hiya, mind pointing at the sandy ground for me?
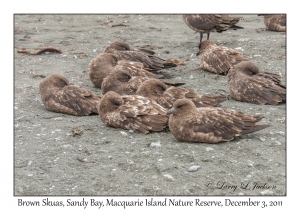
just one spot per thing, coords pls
(49, 160)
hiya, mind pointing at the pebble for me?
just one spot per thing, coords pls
(262, 139)
(241, 193)
(131, 131)
(155, 144)
(29, 163)
(191, 77)
(154, 177)
(123, 133)
(193, 168)
(169, 177)
(178, 79)
(209, 149)
(280, 132)
(266, 192)
(67, 146)
(109, 157)
(239, 48)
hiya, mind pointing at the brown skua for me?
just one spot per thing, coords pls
(166, 95)
(122, 51)
(210, 124)
(207, 23)
(132, 112)
(275, 22)
(59, 95)
(247, 83)
(218, 59)
(103, 64)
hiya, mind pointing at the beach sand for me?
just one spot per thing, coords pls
(49, 160)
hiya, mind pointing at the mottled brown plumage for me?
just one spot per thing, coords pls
(210, 124)
(247, 83)
(207, 23)
(132, 112)
(123, 83)
(58, 95)
(104, 63)
(122, 51)
(218, 59)
(166, 95)
(275, 22)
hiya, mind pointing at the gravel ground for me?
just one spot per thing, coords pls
(50, 160)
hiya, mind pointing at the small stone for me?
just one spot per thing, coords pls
(123, 133)
(241, 193)
(193, 168)
(262, 139)
(266, 192)
(155, 144)
(191, 77)
(209, 149)
(278, 142)
(109, 157)
(67, 146)
(178, 79)
(131, 131)
(169, 177)
(88, 152)
(29, 163)
(30, 174)
(280, 132)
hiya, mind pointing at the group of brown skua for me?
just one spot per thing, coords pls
(135, 98)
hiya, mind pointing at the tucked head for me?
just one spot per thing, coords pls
(107, 58)
(247, 67)
(117, 45)
(54, 80)
(120, 75)
(109, 102)
(152, 87)
(205, 44)
(181, 106)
